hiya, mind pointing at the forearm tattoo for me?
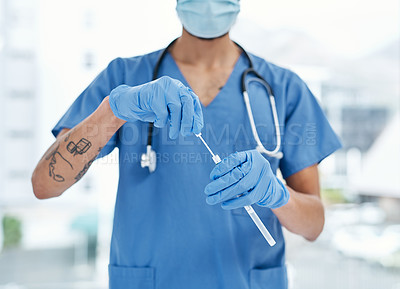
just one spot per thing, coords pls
(79, 148)
(63, 165)
(59, 165)
(67, 135)
(86, 167)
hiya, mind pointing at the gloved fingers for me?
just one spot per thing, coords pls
(227, 180)
(241, 187)
(228, 164)
(198, 113)
(175, 115)
(239, 202)
(187, 112)
(252, 189)
(191, 116)
(145, 116)
(157, 102)
(161, 112)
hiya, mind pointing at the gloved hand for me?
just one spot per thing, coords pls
(245, 178)
(160, 101)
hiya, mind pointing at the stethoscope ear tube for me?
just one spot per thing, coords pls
(148, 158)
(275, 153)
(260, 148)
(155, 76)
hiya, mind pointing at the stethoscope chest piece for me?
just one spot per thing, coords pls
(149, 159)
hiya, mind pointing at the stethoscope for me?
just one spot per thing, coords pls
(149, 158)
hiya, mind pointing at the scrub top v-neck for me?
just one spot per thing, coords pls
(179, 75)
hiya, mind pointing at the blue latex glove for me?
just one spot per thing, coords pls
(160, 101)
(245, 178)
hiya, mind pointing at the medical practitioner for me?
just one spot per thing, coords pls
(182, 224)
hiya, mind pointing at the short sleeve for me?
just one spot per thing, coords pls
(308, 137)
(90, 99)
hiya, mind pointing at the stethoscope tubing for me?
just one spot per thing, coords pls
(250, 70)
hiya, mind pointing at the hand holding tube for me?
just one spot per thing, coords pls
(243, 179)
(162, 101)
(249, 209)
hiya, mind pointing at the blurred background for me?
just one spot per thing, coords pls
(346, 50)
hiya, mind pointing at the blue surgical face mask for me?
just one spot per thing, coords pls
(208, 18)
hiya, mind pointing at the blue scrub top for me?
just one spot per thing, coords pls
(164, 234)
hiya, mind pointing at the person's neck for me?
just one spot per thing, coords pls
(218, 52)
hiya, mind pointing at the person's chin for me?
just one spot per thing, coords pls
(209, 39)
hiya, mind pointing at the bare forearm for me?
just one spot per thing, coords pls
(71, 155)
(303, 214)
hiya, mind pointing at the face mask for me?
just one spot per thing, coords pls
(208, 18)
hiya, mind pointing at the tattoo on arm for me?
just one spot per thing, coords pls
(86, 167)
(68, 134)
(63, 164)
(80, 148)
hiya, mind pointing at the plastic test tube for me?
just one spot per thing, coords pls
(249, 209)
